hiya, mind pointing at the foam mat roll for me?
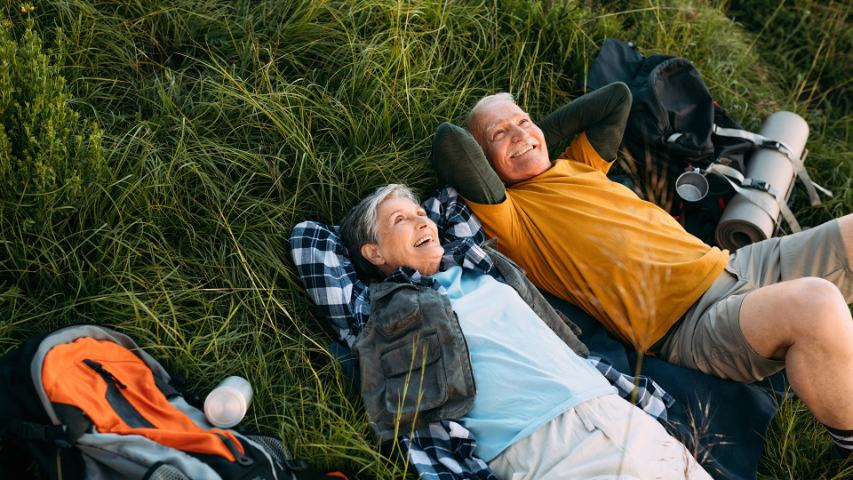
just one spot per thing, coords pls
(743, 222)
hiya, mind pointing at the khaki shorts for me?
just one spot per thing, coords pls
(605, 438)
(709, 337)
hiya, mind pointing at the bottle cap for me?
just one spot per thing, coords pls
(225, 407)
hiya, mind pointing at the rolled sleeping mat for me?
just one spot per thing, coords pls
(743, 222)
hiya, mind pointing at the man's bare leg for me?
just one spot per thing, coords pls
(807, 323)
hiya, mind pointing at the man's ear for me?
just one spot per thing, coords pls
(370, 252)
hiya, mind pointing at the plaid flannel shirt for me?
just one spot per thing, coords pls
(441, 450)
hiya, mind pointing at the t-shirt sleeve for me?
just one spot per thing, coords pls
(499, 220)
(581, 151)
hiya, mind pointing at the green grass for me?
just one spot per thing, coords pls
(223, 123)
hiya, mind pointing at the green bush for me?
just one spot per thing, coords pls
(51, 159)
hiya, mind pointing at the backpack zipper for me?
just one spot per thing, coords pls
(241, 459)
(125, 410)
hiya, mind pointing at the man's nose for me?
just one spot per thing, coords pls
(517, 134)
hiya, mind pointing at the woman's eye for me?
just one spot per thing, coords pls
(498, 135)
(398, 219)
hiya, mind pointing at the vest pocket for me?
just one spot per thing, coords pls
(400, 314)
(414, 376)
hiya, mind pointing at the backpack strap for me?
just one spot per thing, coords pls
(31, 431)
(751, 190)
(74, 424)
(798, 163)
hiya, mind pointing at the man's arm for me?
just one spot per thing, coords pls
(461, 163)
(602, 113)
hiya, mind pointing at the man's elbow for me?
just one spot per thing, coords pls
(621, 94)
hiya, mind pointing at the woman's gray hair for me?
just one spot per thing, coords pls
(360, 225)
(468, 122)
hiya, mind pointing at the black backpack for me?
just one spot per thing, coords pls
(671, 129)
(49, 417)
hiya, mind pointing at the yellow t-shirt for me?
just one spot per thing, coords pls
(595, 243)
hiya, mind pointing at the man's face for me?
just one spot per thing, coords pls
(513, 144)
(406, 237)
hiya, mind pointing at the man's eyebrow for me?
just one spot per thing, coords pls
(493, 125)
(497, 123)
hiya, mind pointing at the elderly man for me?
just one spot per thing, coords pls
(540, 410)
(781, 303)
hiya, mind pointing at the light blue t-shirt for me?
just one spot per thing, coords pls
(525, 374)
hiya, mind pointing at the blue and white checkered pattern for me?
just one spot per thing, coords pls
(442, 450)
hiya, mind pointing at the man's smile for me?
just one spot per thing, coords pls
(523, 151)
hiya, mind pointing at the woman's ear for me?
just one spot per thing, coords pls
(370, 252)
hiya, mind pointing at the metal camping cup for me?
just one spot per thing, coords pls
(226, 405)
(691, 185)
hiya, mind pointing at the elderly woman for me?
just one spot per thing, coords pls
(540, 411)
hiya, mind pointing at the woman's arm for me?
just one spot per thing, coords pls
(454, 219)
(329, 278)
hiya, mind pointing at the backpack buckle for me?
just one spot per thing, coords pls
(757, 185)
(773, 144)
(296, 464)
(61, 440)
(778, 146)
(62, 443)
(55, 434)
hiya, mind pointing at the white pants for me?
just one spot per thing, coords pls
(602, 438)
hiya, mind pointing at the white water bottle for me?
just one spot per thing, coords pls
(226, 405)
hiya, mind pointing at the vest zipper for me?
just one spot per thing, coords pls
(467, 349)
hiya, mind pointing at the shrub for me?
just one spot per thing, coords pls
(51, 159)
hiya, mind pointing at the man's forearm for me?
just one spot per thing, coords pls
(602, 113)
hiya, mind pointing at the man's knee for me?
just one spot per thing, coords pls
(820, 295)
(820, 307)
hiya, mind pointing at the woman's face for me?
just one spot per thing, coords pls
(406, 238)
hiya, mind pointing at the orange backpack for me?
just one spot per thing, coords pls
(86, 402)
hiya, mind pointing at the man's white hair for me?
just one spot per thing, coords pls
(469, 122)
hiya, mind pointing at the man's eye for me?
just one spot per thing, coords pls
(398, 219)
(498, 135)
(524, 122)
